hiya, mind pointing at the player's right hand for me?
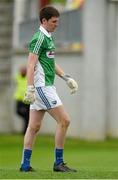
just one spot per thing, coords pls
(29, 97)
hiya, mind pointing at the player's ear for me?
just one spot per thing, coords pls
(44, 21)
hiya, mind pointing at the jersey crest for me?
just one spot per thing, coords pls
(50, 54)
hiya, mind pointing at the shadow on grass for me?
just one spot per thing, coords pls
(46, 174)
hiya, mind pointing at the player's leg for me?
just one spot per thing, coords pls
(63, 121)
(29, 139)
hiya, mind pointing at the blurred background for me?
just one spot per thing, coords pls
(86, 48)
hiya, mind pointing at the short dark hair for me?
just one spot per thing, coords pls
(47, 12)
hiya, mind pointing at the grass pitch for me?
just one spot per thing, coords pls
(93, 160)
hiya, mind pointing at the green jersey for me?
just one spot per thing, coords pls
(42, 44)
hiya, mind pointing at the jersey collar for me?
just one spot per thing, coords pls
(48, 34)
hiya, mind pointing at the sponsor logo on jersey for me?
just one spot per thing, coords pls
(50, 54)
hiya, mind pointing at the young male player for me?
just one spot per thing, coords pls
(41, 92)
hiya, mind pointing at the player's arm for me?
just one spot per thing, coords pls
(34, 51)
(59, 71)
(32, 60)
(72, 84)
(30, 93)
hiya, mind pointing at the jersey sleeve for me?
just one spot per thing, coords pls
(35, 45)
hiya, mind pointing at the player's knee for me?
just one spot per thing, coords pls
(35, 128)
(65, 122)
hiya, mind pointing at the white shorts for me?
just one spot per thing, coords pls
(46, 98)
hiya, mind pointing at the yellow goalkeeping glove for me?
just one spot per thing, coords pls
(29, 95)
(72, 84)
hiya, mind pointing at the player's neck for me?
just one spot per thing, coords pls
(45, 28)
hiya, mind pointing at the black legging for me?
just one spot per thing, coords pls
(22, 110)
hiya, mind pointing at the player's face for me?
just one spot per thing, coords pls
(51, 24)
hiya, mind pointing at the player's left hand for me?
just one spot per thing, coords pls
(72, 84)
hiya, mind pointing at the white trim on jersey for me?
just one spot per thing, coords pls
(38, 43)
(39, 75)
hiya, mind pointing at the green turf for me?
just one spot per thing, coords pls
(93, 160)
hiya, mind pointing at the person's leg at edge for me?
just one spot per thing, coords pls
(63, 121)
(26, 119)
(35, 120)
